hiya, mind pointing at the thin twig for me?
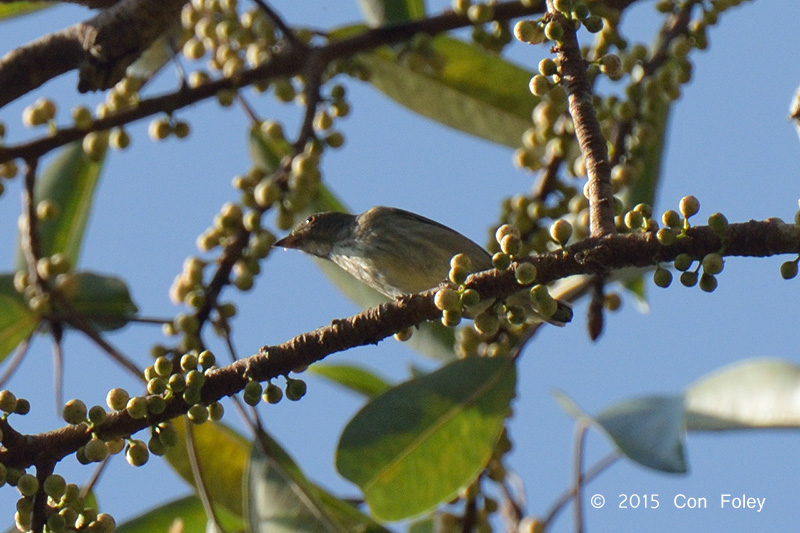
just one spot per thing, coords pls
(197, 474)
(580, 440)
(588, 476)
(16, 360)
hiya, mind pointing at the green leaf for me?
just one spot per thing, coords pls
(69, 182)
(649, 431)
(474, 91)
(390, 12)
(422, 441)
(280, 499)
(104, 300)
(751, 394)
(267, 153)
(17, 9)
(17, 321)
(189, 511)
(356, 378)
(223, 455)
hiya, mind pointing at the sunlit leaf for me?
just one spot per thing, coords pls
(357, 379)
(751, 394)
(104, 300)
(223, 454)
(69, 182)
(419, 443)
(472, 90)
(188, 512)
(389, 12)
(16, 9)
(17, 321)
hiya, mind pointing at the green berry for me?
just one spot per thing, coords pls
(195, 379)
(683, 262)
(501, 260)
(168, 434)
(789, 269)
(206, 359)
(97, 415)
(74, 412)
(252, 393)
(528, 31)
(662, 277)
(553, 31)
(27, 485)
(156, 385)
(461, 261)
(446, 299)
(137, 407)
(561, 231)
(525, 273)
(137, 453)
(511, 244)
(689, 206)
(163, 366)
(708, 282)
(273, 393)
(470, 298)
(548, 67)
(593, 23)
(155, 446)
(633, 220)
(666, 236)
(689, 279)
(672, 219)
(216, 411)
(295, 389)
(177, 383)
(458, 275)
(198, 413)
(55, 486)
(718, 224)
(539, 85)
(95, 450)
(506, 229)
(713, 264)
(156, 404)
(451, 318)
(516, 315)
(8, 402)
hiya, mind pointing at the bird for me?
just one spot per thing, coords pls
(394, 251)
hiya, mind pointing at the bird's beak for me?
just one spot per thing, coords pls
(290, 241)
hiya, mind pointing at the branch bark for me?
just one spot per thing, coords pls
(590, 256)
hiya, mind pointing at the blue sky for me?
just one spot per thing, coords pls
(729, 144)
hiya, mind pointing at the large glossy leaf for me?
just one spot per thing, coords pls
(356, 378)
(474, 91)
(751, 394)
(419, 443)
(223, 454)
(104, 300)
(188, 512)
(17, 321)
(280, 499)
(388, 12)
(69, 182)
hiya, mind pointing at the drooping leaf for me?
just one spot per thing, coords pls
(473, 91)
(266, 152)
(186, 511)
(356, 378)
(280, 499)
(648, 430)
(752, 394)
(104, 300)
(389, 12)
(416, 445)
(223, 457)
(17, 321)
(69, 182)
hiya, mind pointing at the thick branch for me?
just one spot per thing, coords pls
(590, 256)
(101, 47)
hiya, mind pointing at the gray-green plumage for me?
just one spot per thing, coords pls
(393, 251)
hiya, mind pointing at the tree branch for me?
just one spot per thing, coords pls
(590, 256)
